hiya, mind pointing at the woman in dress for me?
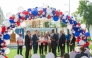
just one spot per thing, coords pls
(46, 42)
(72, 42)
(49, 41)
(41, 39)
(30, 45)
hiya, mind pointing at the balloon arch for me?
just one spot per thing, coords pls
(38, 12)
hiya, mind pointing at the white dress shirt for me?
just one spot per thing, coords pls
(20, 41)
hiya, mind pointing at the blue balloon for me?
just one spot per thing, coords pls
(71, 21)
(12, 26)
(77, 34)
(35, 12)
(1, 41)
(44, 9)
(87, 34)
(19, 16)
(53, 12)
(29, 10)
(75, 23)
(11, 21)
(64, 21)
(27, 16)
(55, 18)
(3, 50)
(6, 36)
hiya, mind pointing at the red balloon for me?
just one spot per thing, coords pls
(3, 29)
(23, 18)
(77, 40)
(26, 12)
(49, 17)
(18, 23)
(78, 24)
(57, 13)
(60, 13)
(12, 18)
(68, 17)
(40, 12)
(78, 37)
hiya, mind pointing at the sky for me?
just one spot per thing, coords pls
(13, 5)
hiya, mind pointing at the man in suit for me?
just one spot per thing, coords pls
(35, 39)
(54, 41)
(27, 43)
(62, 43)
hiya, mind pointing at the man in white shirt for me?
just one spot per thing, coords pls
(20, 44)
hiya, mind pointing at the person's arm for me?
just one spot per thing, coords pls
(17, 41)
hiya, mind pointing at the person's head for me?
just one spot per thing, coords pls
(36, 31)
(28, 32)
(52, 30)
(73, 34)
(61, 32)
(82, 49)
(41, 35)
(66, 55)
(20, 35)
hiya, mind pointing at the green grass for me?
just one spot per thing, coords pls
(13, 52)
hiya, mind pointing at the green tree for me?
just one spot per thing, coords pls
(46, 24)
(77, 17)
(85, 10)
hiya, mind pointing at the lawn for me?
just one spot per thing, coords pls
(13, 52)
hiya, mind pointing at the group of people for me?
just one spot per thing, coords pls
(48, 40)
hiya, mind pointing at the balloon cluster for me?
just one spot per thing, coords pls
(39, 12)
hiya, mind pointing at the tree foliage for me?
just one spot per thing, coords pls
(85, 10)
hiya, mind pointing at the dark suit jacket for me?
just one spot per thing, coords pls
(27, 40)
(62, 40)
(34, 39)
(80, 55)
(73, 40)
(54, 39)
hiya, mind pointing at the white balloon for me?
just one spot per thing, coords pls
(49, 11)
(18, 56)
(64, 17)
(7, 51)
(69, 26)
(16, 18)
(6, 23)
(7, 42)
(83, 26)
(35, 56)
(40, 8)
(81, 42)
(21, 14)
(1, 56)
(77, 49)
(66, 13)
(8, 14)
(20, 9)
(50, 55)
